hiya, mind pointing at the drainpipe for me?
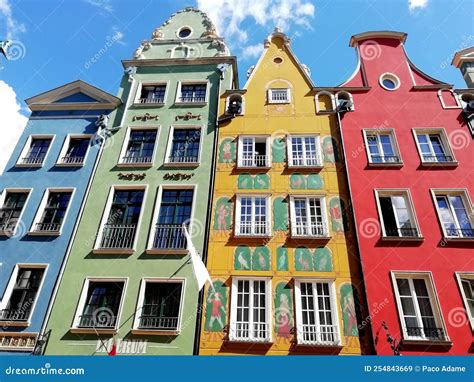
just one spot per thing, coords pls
(346, 173)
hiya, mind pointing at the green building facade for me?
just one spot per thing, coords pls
(127, 278)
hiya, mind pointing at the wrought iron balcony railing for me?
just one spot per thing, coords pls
(308, 160)
(72, 160)
(118, 236)
(105, 321)
(33, 160)
(182, 159)
(309, 229)
(152, 100)
(401, 232)
(192, 99)
(15, 314)
(47, 227)
(460, 232)
(426, 333)
(437, 158)
(256, 228)
(134, 159)
(169, 236)
(158, 323)
(318, 334)
(385, 159)
(247, 332)
(254, 160)
(7, 224)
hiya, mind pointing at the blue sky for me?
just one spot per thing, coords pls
(55, 39)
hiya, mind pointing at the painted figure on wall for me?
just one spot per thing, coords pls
(261, 182)
(323, 260)
(330, 153)
(303, 259)
(242, 258)
(335, 210)
(244, 181)
(283, 310)
(261, 259)
(282, 259)
(314, 182)
(216, 307)
(297, 181)
(227, 151)
(223, 218)
(349, 314)
(280, 214)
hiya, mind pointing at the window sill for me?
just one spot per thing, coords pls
(302, 167)
(251, 341)
(135, 165)
(319, 344)
(279, 102)
(150, 104)
(466, 239)
(113, 251)
(11, 233)
(11, 323)
(181, 164)
(151, 332)
(254, 167)
(44, 233)
(427, 342)
(310, 237)
(190, 103)
(25, 165)
(69, 164)
(256, 236)
(156, 251)
(385, 164)
(92, 330)
(403, 238)
(440, 164)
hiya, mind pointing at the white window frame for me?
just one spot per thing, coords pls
(41, 207)
(126, 141)
(3, 196)
(273, 101)
(465, 276)
(299, 311)
(169, 146)
(388, 192)
(333, 102)
(392, 77)
(268, 308)
(319, 160)
(156, 213)
(27, 147)
(464, 194)
(65, 147)
(441, 99)
(11, 284)
(444, 141)
(237, 215)
(82, 301)
(141, 297)
(393, 140)
(106, 213)
(240, 150)
(227, 103)
(322, 200)
(138, 92)
(192, 82)
(433, 296)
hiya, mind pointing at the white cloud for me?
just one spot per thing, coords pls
(13, 27)
(103, 5)
(228, 16)
(252, 51)
(414, 4)
(13, 122)
(117, 36)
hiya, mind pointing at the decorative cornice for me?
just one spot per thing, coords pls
(178, 176)
(189, 115)
(145, 117)
(131, 176)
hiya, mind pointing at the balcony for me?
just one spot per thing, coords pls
(401, 233)
(192, 99)
(255, 228)
(47, 228)
(246, 332)
(72, 161)
(32, 161)
(153, 100)
(105, 321)
(324, 335)
(117, 237)
(153, 322)
(136, 160)
(309, 230)
(439, 158)
(436, 334)
(180, 160)
(309, 160)
(460, 233)
(15, 315)
(254, 160)
(169, 238)
(386, 159)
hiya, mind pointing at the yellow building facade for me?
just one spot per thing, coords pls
(282, 253)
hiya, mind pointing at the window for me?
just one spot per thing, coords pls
(100, 304)
(308, 217)
(235, 104)
(344, 101)
(184, 32)
(454, 213)
(152, 94)
(382, 147)
(304, 151)
(74, 151)
(397, 214)
(19, 305)
(53, 211)
(279, 95)
(418, 309)
(139, 147)
(159, 305)
(254, 151)
(251, 310)
(11, 210)
(316, 317)
(192, 93)
(466, 283)
(184, 147)
(433, 146)
(174, 210)
(35, 151)
(120, 227)
(252, 217)
(325, 102)
(389, 81)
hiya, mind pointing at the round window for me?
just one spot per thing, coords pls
(278, 60)
(184, 32)
(389, 81)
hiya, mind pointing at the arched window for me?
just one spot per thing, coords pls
(448, 99)
(235, 104)
(325, 102)
(344, 101)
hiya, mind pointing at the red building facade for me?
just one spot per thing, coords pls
(410, 162)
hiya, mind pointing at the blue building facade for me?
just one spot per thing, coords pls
(42, 190)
